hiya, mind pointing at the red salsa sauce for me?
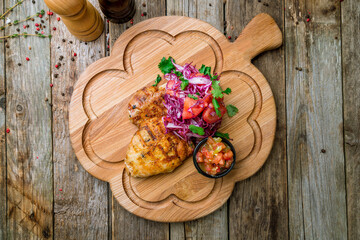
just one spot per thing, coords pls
(214, 156)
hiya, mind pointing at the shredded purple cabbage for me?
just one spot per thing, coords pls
(174, 103)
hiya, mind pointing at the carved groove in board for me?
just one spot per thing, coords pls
(254, 114)
(171, 199)
(168, 38)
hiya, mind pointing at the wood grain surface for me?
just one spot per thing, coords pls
(350, 35)
(265, 213)
(316, 176)
(29, 149)
(2, 135)
(245, 219)
(79, 198)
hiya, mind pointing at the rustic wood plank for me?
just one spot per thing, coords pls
(316, 180)
(81, 209)
(258, 205)
(350, 31)
(2, 133)
(215, 225)
(29, 158)
(124, 224)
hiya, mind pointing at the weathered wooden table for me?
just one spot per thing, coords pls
(309, 187)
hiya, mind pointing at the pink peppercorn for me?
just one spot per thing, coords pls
(56, 65)
(37, 29)
(54, 28)
(42, 32)
(36, 24)
(51, 85)
(75, 54)
(24, 26)
(40, 16)
(27, 59)
(7, 130)
(308, 20)
(58, 18)
(229, 37)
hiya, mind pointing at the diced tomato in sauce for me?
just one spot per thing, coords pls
(214, 156)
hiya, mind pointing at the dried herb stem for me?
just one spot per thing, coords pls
(26, 35)
(7, 11)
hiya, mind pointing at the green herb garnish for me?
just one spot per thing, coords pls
(158, 79)
(227, 91)
(193, 97)
(231, 110)
(197, 130)
(217, 91)
(224, 135)
(166, 65)
(216, 106)
(184, 83)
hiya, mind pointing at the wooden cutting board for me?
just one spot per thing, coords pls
(100, 129)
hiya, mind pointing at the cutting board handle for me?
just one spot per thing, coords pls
(261, 34)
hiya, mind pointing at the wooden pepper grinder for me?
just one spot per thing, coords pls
(118, 11)
(80, 17)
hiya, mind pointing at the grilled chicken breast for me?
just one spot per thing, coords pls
(147, 103)
(152, 151)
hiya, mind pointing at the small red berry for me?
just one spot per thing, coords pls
(142, 14)
(42, 32)
(36, 24)
(51, 85)
(24, 26)
(308, 20)
(51, 13)
(54, 28)
(56, 65)
(27, 59)
(48, 12)
(37, 29)
(7, 130)
(40, 16)
(229, 37)
(75, 54)
(60, 189)
(58, 18)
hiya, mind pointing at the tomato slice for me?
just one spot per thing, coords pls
(170, 84)
(210, 115)
(189, 103)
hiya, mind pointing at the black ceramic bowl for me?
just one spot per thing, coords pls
(221, 174)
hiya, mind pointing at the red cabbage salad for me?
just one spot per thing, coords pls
(194, 100)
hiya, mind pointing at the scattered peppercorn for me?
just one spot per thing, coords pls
(86, 43)
(58, 18)
(42, 21)
(18, 29)
(40, 16)
(72, 59)
(144, 4)
(107, 20)
(48, 12)
(19, 64)
(60, 189)
(7, 46)
(229, 37)
(51, 85)
(42, 32)
(61, 57)
(266, 4)
(62, 94)
(63, 40)
(36, 24)
(308, 19)
(71, 42)
(300, 69)
(36, 32)
(37, 29)
(29, 48)
(46, 99)
(33, 2)
(56, 75)
(27, 59)
(142, 14)
(44, 26)
(56, 65)
(210, 4)
(24, 26)
(7, 130)
(323, 150)
(145, 13)
(27, 25)
(75, 54)
(54, 28)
